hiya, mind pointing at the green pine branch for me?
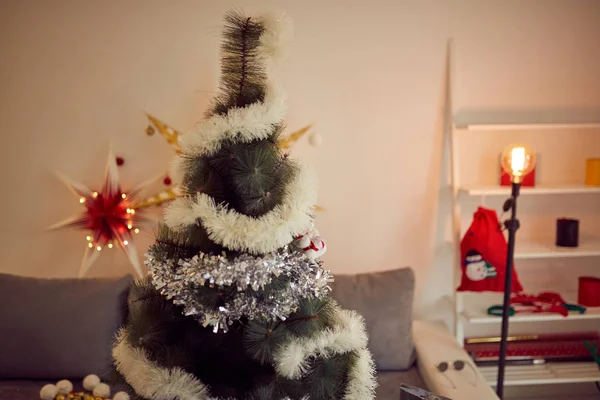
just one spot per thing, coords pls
(312, 316)
(327, 378)
(262, 338)
(243, 78)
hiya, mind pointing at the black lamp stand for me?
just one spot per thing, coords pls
(511, 225)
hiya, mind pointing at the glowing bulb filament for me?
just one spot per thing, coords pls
(517, 161)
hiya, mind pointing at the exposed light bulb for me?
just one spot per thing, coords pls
(518, 161)
(132, 211)
(88, 238)
(82, 200)
(128, 211)
(90, 245)
(123, 196)
(98, 248)
(95, 194)
(129, 226)
(125, 242)
(110, 245)
(136, 230)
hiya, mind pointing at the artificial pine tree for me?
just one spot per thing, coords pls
(236, 305)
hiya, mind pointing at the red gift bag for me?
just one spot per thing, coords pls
(483, 255)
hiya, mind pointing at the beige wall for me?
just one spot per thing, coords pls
(77, 75)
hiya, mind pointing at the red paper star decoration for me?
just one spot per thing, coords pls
(110, 217)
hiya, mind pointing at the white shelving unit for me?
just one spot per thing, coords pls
(499, 123)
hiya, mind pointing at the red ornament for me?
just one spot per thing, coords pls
(167, 181)
(120, 161)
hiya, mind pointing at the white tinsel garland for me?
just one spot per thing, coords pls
(347, 335)
(245, 124)
(151, 381)
(240, 232)
(154, 382)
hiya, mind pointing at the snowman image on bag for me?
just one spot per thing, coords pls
(476, 268)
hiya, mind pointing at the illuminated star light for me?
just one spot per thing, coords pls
(109, 215)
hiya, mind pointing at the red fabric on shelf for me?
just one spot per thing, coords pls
(544, 302)
(483, 252)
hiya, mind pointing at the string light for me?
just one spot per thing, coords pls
(82, 200)
(95, 194)
(129, 226)
(128, 211)
(123, 196)
(110, 245)
(136, 230)
(98, 248)
(88, 238)
(125, 242)
(90, 245)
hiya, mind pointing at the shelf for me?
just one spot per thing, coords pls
(541, 374)
(503, 120)
(480, 316)
(529, 249)
(527, 126)
(497, 190)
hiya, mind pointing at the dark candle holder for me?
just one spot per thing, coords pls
(567, 232)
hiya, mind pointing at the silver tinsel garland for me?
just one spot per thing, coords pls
(179, 280)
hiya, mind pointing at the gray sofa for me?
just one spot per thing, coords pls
(52, 329)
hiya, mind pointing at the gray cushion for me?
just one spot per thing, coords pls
(59, 328)
(385, 300)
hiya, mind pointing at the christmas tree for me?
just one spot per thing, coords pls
(237, 303)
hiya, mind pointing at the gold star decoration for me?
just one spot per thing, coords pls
(171, 135)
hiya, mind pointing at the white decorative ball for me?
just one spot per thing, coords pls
(101, 390)
(48, 392)
(121, 396)
(90, 382)
(315, 139)
(64, 387)
(303, 242)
